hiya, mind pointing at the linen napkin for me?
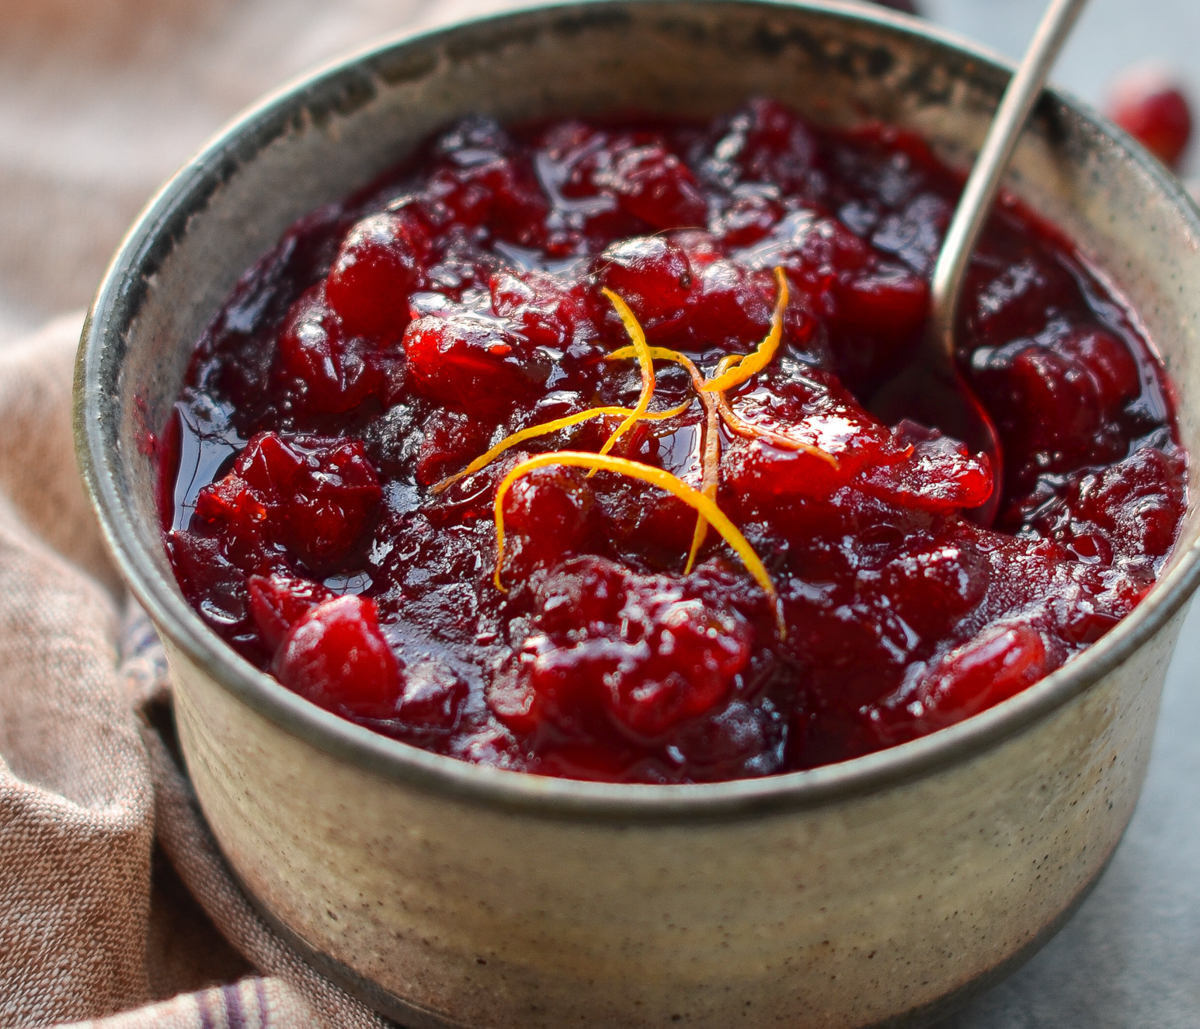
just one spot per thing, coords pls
(102, 845)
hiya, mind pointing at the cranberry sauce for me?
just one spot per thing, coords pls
(387, 343)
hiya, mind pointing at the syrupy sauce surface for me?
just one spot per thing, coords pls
(388, 341)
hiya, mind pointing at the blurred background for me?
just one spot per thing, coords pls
(100, 101)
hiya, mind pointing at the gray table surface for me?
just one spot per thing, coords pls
(1131, 956)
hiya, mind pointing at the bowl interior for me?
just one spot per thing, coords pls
(841, 64)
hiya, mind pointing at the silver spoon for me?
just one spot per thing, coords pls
(930, 389)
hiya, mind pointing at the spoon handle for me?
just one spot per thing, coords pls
(1022, 93)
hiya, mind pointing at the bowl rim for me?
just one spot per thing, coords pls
(118, 302)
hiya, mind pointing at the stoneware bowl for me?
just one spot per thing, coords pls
(884, 890)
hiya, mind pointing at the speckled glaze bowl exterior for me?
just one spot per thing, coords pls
(880, 891)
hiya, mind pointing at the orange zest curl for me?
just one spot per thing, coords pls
(710, 461)
(661, 354)
(642, 351)
(545, 429)
(656, 477)
(748, 430)
(751, 364)
(710, 464)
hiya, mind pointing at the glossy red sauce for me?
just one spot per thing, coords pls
(386, 342)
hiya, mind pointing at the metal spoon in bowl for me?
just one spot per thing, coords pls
(930, 389)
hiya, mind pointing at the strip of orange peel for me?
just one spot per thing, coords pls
(664, 480)
(710, 465)
(710, 461)
(545, 428)
(748, 430)
(753, 363)
(638, 338)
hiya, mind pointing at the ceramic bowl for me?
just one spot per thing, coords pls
(883, 890)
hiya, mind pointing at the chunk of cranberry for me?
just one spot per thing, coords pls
(584, 593)
(472, 364)
(935, 585)
(214, 584)
(332, 372)
(939, 474)
(277, 602)
(1151, 107)
(378, 267)
(814, 411)
(315, 497)
(750, 217)
(996, 665)
(652, 275)
(449, 441)
(1058, 398)
(485, 182)
(887, 301)
(1133, 506)
(546, 309)
(730, 307)
(432, 698)
(1016, 291)
(653, 184)
(664, 658)
(768, 143)
(549, 510)
(336, 656)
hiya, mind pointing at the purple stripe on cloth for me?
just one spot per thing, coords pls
(232, 998)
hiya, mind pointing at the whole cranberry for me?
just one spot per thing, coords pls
(377, 268)
(314, 497)
(656, 186)
(549, 510)
(651, 274)
(278, 602)
(472, 364)
(331, 370)
(1148, 105)
(336, 656)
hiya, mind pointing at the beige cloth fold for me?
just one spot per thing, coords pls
(112, 894)
(93, 920)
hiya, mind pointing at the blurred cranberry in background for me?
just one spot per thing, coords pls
(1148, 104)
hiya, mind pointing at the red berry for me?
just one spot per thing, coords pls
(336, 656)
(547, 310)
(652, 275)
(997, 664)
(748, 219)
(1148, 105)
(450, 440)
(333, 372)
(730, 307)
(472, 364)
(433, 697)
(939, 474)
(770, 144)
(655, 185)
(277, 602)
(377, 268)
(548, 511)
(313, 497)
(642, 658)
